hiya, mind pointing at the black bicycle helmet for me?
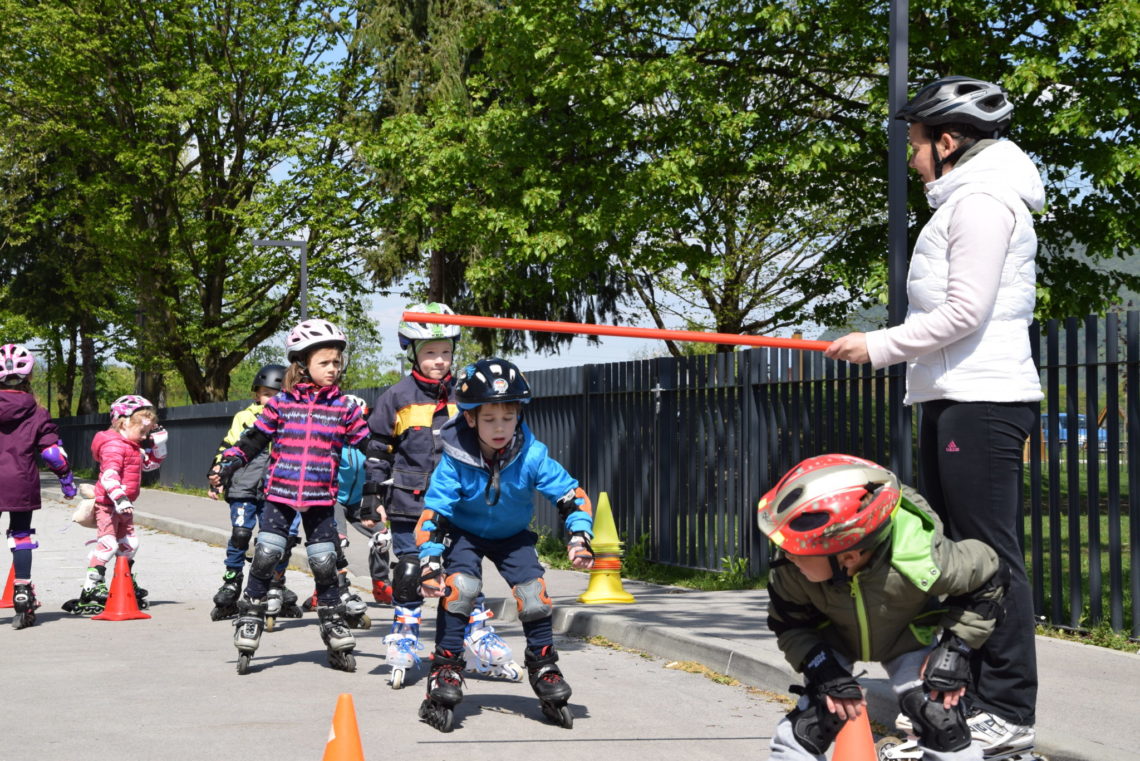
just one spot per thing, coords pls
(490, 381)
(270, 376)
(960, 100)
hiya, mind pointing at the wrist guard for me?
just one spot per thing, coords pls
(948, 665)
(827, 676)
(572, 502)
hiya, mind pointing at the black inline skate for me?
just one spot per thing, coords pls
(226, 598)
(281, 602)
(337, 637)
(444, 689)
(247, 630)
(355, 609)
(547, 682)
(93, 597)
(140, 593)
(25, 603)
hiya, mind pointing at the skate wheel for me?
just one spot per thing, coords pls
(343, 660)
(220, 614)
(897, 749)
(560, 715)
(511, 672)
(270, 623)
(365, 622)
(396, 679)
(436, 716)
(243, 663)
(23, 620)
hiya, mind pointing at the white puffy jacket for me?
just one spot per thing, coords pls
(973, 351)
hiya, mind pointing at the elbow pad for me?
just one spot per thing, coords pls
(986, 601)
(158, 439)
(56, 458)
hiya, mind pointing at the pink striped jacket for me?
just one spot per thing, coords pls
(308, 426)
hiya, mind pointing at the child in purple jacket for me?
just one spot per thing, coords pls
(26, 435)
(309, 422)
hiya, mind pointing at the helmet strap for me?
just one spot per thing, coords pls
(964, 145)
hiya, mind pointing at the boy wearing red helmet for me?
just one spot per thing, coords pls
(863, 572)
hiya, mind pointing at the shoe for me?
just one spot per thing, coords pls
(998, 736)
(382, 592)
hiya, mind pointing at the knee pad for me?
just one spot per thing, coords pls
(104, 549)
(240, 537)
(464, 591)
(322, 562)
(406, 579)
(534, 603)
(814, 727)
(22, 540)
(267, 553)
(128, 546)
(938, 728)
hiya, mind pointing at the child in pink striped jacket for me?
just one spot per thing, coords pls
(308, 422)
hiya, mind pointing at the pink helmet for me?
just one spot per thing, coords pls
(313, 334)
(125, 406)
(16, 364)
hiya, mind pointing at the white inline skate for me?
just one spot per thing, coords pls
(403, 644)
(487, 652)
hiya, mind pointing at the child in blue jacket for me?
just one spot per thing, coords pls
(479, 504)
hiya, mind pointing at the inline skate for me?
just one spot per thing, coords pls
(226, 598)
(487, 652)
(140, 593)
(355, 609)
(93, 597)
(280, 602)
(444, 689)
(25, 603)
(337, 637)
(547, 682)
(403, 642)
(247, 630)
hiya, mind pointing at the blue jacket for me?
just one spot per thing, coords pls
(459, 483)
(350, 476)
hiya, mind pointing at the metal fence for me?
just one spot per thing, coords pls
(685, 447)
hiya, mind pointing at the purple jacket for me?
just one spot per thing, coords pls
(26, 430)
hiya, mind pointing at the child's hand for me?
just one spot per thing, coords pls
(213, 493)
(67, 485)
(124, 506)
(379, 517)
(433, 583)
(579, 551)
(846, 709)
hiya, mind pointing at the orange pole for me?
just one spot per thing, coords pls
(585, 328)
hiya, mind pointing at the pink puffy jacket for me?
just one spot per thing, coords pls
(121, 465)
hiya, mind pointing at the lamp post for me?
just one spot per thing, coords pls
(304, 246)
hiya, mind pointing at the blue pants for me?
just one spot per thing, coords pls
(517, 562)
(244, 514)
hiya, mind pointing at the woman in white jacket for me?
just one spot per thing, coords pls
(971, 291)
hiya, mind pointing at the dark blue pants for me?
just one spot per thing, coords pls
(244, 514)
(516, 560)
(320, 526)
(971, 474)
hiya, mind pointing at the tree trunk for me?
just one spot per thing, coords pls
(88, 402)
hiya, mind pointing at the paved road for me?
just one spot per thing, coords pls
(166, 688)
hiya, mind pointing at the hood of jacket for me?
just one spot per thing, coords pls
(16, 406)
(1001, 163)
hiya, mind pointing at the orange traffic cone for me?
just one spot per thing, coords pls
(6, 600)
(121, 603)
(344, 737)
(855, 741)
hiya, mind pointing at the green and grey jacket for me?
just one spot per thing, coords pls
(915, 583)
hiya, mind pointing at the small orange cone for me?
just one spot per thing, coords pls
(855, 741)
(121, 603)
(6, 600)
(344, 737)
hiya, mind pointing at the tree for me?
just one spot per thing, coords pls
(727, 160)
(202, 125)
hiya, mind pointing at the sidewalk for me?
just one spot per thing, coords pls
(1087, 695)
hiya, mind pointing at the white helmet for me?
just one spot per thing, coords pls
(313, 334)
(16, 364)
(412, 334)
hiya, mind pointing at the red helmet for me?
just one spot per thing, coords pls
(829, 504)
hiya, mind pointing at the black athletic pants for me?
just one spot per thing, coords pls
(971, 459)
